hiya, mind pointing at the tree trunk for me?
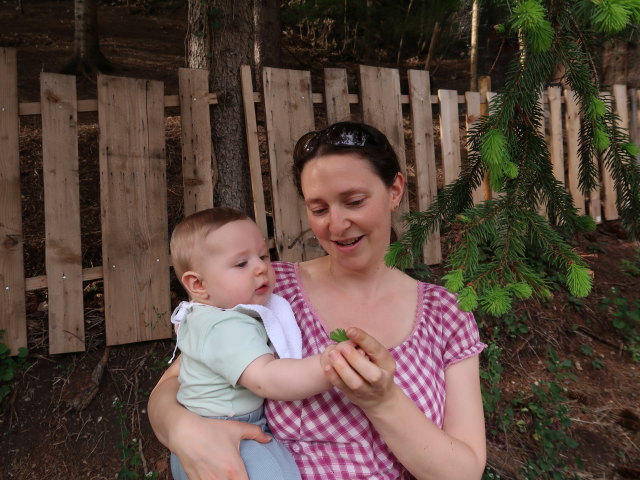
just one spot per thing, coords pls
(221, 37)
(473, 53)
(267, 50)
(87, 57)
(432, 45)
(197, 42)
(369, 44)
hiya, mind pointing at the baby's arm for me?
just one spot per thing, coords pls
(285, 378)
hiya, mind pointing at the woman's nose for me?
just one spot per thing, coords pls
(338, 221)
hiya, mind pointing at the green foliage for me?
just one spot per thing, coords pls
(548, 422)
(529, 17)
(595, 361)
(626, 320)
(631, 267)
(129, 448)
(339, 335)
(544, 416)
(9, 366)
(540, 417)
(491, 244)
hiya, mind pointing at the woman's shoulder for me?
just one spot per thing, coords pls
(284, 270)
(286, 277)
(439, 303)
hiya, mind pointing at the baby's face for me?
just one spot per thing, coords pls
(234, 264)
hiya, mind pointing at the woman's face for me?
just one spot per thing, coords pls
(349, 208)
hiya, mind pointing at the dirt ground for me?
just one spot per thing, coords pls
(48, 431)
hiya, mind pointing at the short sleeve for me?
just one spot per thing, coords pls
(460, 332)
(233, 344)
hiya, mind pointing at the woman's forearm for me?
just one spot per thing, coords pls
(207, 448)
(458, 450)
(163, 406)
(424, 449)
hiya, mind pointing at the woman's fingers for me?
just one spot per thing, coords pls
(356, 365)
(377, 352)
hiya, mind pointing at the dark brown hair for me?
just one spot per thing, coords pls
(347, 138)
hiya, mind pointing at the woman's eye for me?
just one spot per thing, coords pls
(318, 211)
(356, 203)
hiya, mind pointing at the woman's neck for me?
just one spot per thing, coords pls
(366, 280)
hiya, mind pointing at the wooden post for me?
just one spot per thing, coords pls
(484, 87)
(62, 212)
(12, 292)
(382, 108)
(425, 156)
(133, 197)
(199, 170)
(336, 95)
(253, 149)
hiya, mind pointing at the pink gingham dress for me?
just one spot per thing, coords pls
(329, 437)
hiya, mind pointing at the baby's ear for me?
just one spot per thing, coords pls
(193, 284)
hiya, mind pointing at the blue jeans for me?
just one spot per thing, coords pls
(263, 461)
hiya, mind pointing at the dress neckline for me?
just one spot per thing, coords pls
(418, 316)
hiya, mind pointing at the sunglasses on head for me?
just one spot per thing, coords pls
(344, 134)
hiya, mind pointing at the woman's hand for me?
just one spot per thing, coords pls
(362, 369)
(210, 448)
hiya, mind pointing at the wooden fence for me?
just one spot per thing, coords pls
(133, 185)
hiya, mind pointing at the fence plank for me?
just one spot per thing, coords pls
(609, 194)
(572, 126)
(425, 155)
(199, 169)
(134, 209)
(449, 134)
(62, 212)
(381, 107)
(556, 149)
(336, 95)
(253, 149)
(289, 114)
(12, 294)
(474, 111)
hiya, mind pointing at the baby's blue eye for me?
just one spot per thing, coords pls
(241, 264)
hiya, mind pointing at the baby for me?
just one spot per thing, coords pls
(228, 366)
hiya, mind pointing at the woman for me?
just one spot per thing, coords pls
(411, 405)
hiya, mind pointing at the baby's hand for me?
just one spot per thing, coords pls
(324, 357)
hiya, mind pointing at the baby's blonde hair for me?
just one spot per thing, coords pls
(195, 228)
